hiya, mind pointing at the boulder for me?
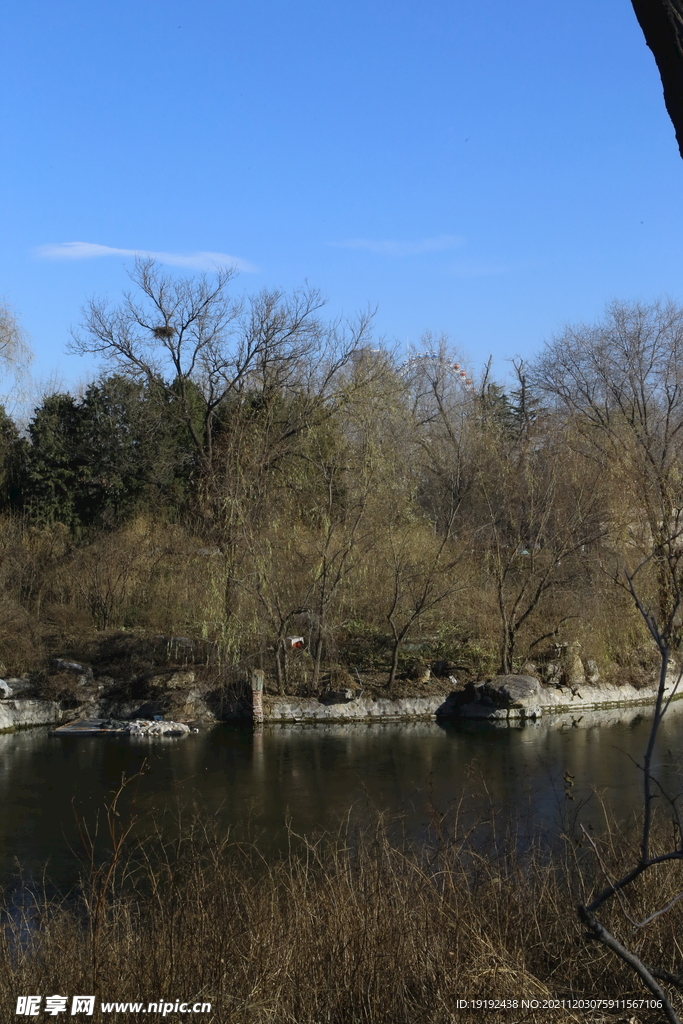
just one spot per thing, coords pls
(494, 714)
(572, 666)
(190, 705)
(172, 680)
(62, 665)
(19, 714)
(512, 691)
(20, 685)
(140, 727)
(5, 689)
(338, 696)
(574, 674)
(553, 673)
(592, 672)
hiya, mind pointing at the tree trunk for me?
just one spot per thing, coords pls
(662, 25)
(394, 663)
(278, 668)
(317, 663)
(509, 650)
(507, 645)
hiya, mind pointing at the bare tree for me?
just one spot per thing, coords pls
(621, 383)
(201, 347)
(621, 386)
(444, 436)
(15, 351)
(421, 575)
(666, 634)
(173, 334)
(537, 516)
(13, 341)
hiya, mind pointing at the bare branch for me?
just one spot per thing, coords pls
(599, 932)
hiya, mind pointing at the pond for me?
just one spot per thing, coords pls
(310, 777)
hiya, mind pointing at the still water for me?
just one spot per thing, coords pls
(312, 776)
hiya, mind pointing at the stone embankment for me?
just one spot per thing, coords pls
(577, 720)
(513, 699)
(22, 714)
(354, 709)
(524, 696)
(20, 708)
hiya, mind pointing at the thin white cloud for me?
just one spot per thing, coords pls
(194, 260)
(398, 248)
(483, 269)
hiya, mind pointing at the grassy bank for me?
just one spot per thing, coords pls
(345, 928)
(164, 595)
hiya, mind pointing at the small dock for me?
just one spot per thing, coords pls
(83, 727)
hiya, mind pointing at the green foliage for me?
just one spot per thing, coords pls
(51, 462)
(99, 460)
(10, 460)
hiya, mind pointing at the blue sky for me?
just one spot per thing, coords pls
(491, 171)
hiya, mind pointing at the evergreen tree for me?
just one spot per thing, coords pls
(97, 461)
(50, 468)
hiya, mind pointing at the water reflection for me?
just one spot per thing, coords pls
(312, 776)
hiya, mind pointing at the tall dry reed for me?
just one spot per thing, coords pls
(343, 928)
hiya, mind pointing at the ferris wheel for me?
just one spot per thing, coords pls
(435, 365)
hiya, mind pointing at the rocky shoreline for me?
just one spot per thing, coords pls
(24, 714)
(503, 698)
(514, 698)
(523, 696)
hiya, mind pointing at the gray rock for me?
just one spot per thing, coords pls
(338, 696)
(488, 711)
(494, 714)
(592, 672)
(21, 687)
(21, 714)
(573, 671)
(173, 680)
(135, 709)
(5, 689)
(61, 665)
(553, 673)
(513, 691)
(530, 711)
(196, 707)
(141, 727)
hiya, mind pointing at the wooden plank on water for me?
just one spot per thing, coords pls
(82, 727)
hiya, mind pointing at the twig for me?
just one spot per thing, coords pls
(599, 932)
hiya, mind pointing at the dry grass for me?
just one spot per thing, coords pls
(60, 593)
(344, 928)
